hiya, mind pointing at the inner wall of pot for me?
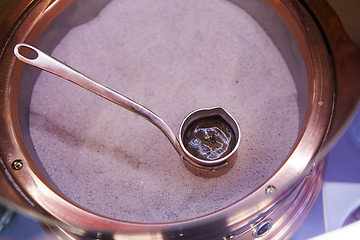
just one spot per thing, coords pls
(114, 163)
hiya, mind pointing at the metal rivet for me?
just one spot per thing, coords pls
(17, 164)
(270, 189)
(263, 228)
(228, 237)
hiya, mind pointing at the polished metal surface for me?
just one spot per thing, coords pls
(210, 168)
(200, 167)
(324, 63)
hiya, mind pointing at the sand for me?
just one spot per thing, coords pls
(173, 57)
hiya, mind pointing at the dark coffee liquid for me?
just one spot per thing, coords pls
(209, 138)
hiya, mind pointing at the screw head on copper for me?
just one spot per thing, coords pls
(17, 164)
(270, 189)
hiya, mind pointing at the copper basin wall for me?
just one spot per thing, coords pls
(323, 62)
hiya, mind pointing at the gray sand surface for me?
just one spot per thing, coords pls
(173, 57)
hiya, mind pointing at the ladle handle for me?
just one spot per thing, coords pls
(54, 66)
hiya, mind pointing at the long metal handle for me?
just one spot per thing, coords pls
(54, 66)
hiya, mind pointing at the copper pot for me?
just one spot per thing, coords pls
(324, 64)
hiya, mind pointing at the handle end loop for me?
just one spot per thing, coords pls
(28, 50)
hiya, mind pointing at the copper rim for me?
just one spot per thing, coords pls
(281, 201)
